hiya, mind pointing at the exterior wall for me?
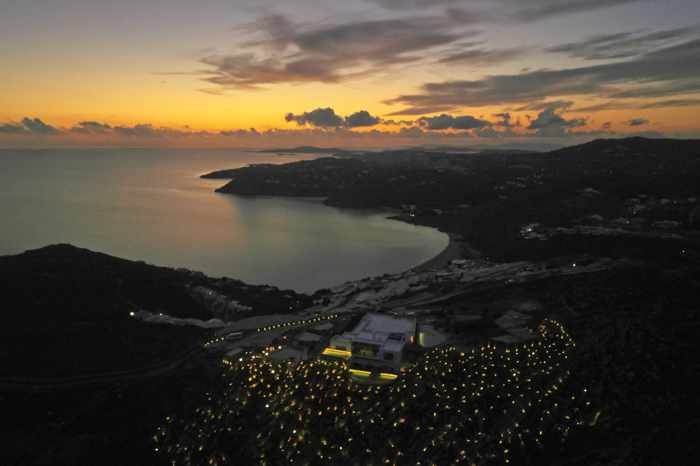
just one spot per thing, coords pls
(339, 342)
(379, 361)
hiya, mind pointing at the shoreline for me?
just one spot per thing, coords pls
(456, 249)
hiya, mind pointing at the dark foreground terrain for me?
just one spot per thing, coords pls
(82, 381)
(598, 244)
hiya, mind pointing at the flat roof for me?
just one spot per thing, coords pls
(391, 333)
(379, 323)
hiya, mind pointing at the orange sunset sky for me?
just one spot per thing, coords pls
(370, 73)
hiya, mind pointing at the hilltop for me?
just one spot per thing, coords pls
(489, 197)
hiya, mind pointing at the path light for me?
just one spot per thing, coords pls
(527, 384)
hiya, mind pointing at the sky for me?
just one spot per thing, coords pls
(356, 73)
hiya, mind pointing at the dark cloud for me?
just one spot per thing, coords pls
(679, 87)
(294, 53)
(412, 132)
(620, 45)
(490, 132)
(140, 130)
(91, 127)
(321, 118)
(427, 109)
(482, 57)
(671, 66)
(361, 118)
(506, 121)
(36, 126)
(541, 9)
(550, 123)
(411, 4)
(29, 126)
(398, 122)
(327, 118)
(147, 130)
(670, 104)
(247, 71)
(240, 132)
(12, 128)
(508, 10)
(551, 104)
(637, 122)
(625, 105)
(446, 121)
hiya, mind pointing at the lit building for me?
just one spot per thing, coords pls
(377, 343)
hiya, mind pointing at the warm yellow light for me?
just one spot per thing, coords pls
(337, 353)
(360, 372)
(387, 376)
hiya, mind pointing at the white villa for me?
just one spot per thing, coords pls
(376, 344)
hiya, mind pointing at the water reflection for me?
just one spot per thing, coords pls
(150, 205)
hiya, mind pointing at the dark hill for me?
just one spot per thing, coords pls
(67, 310)
(487, 197)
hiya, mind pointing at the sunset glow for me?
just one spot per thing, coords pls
(226, 74)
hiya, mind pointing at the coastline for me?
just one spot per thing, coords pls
(456, 249)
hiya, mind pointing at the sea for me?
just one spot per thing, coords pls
(151, 205)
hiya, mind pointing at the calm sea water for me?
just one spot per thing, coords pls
(151, 205)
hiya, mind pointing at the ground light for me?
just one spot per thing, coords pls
(492, 403)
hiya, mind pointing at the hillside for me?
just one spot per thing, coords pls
(83, 379)
(638, 185)
(67, 310)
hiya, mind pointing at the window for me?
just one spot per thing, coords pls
(388, 356)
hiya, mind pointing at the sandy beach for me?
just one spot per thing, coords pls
(457, 248)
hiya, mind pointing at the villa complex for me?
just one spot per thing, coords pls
(377, 343)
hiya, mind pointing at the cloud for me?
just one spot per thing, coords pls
(327, 118)
(139, 130)
(541, 9)
(620, 45)
(287, 52)
(240, 132)
(637, 122)
(446, 121)
(91, 127)
(420, 110)
(645, 92)
(36, 126)
(482, 57)
(671, 66)
(399, 122)
(411, 4)
(625, 105)
(12, 128)
(549, 123)
(29, 126)
(508, 10)
(506, 122)
(321, 117)
(361, 118)
(543, 105)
